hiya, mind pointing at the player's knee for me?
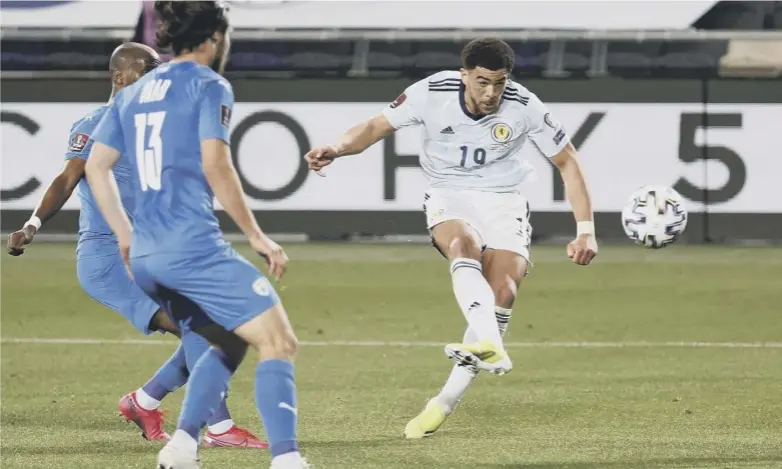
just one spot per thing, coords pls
(505, 290)
(464, 246)
(280, 347)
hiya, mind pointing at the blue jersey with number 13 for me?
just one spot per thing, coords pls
(159, 123)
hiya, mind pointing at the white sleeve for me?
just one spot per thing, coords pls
(544, 130)
(408, 108)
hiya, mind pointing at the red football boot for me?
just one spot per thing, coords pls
(236, 437)
(149, 421)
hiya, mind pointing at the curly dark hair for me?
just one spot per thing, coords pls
(186, 25)
(489, 53)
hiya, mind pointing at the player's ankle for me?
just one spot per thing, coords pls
(447, 403)
(220, 427)
(145, 401)
(287, 459)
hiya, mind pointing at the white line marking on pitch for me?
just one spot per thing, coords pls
(349, 343)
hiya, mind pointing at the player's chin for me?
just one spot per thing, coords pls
(489, 108)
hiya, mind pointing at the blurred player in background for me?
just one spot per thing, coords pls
(176, 121)
(475, 122)
(102, 273)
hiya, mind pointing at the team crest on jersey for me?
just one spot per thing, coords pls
(78, 143)
(398, 101)
(225, 115)
(262, 287)
(501, 133)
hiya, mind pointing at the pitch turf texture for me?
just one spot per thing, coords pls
(645, 359)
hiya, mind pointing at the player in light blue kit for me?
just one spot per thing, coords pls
(102, 273)
(174, 123)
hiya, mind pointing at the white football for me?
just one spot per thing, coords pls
(654, 216)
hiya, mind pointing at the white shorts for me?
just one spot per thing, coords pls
(500, 219)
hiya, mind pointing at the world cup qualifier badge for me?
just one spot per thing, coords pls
(225, 115)
(78, 142)
(398, 101)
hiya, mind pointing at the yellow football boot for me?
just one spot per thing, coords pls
(427, 422)
(482, 355)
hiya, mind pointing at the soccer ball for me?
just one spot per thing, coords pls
(654, 216)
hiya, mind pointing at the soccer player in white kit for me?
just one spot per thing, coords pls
(474, 123)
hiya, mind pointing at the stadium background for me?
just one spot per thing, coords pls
(684, 94)
(645, 359)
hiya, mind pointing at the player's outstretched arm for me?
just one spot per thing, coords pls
(584, 248)
(223, 179)
(58, 192)
(356, 140)
(360, 137)
(104, 187)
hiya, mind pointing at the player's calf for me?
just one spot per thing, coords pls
(504, 270)
(505, 296)
(505, 289)
(271, 334)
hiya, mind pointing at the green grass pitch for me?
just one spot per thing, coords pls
(646, 359)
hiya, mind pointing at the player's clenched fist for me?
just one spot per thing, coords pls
(19, 239)
(582, 249)
(272, 252)
(320, 157)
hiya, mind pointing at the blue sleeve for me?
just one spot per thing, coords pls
(109, 130)
(80, 139)
(215, 112)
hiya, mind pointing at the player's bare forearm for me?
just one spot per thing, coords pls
(104, 187)
(58, 192)
(584, 248)
(224, 181)
(60, 189)
(575, 183)
(359, 138)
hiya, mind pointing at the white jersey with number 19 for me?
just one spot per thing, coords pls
(460, 150)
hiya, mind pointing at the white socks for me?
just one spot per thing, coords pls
(287, 461)
(183, 441)
(476, 299)
(221, 427)
(461, 377)
(145, 401)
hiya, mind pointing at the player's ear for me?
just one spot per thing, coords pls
(117, 78)
(464, 75)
